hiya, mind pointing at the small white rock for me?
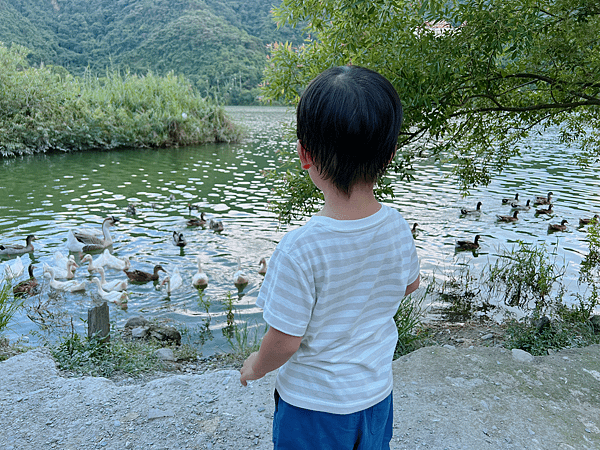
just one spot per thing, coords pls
(522, 355)
(139, 332)
(165, 354)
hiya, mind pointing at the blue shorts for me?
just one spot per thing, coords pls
(303, 429)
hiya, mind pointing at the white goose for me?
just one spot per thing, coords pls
(118, 298)
(111, 261)
(60, 273)
(240, 279)
(89, 241)
(173, 281)
(61, 261)
(73, 245)
(114, 285)
(199, 279)
(263, 266)
(14, 270)
(93, 264)
(67, 286)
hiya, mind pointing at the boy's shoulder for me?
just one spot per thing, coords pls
(321, 225)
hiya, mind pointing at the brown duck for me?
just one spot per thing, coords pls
(414, 230)
(468, 245)
(18, 249)
(558, 227)
(27, 287)
(141, 276)
(197, 222)
(545, 211)
(544, 200)
(506, 201)
(512, 218)
(516, 206)
(588, 221)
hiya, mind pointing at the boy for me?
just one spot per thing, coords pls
(334, 284)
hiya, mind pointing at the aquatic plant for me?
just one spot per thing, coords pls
(9, 304)
(589, 273)
(245, 340)
(229, 329)
(526, 276)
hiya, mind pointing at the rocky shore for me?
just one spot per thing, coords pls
(446, 397)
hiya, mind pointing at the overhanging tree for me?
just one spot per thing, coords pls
(476, 77)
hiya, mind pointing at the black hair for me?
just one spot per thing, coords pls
(348, 121)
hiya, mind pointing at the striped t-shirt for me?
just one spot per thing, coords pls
(338, 284)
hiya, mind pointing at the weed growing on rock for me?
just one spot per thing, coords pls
(541, 335)
(92, 356)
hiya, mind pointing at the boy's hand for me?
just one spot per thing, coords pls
(247, 373)
(275, 349)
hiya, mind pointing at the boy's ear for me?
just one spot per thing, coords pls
(303, 154)
(393, 154)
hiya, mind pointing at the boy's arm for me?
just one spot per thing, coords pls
(412, 286)
(276, 348)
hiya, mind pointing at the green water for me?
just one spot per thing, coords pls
(47, 195)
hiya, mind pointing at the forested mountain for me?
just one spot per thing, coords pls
(220, 45)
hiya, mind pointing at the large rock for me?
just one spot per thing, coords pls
(137, 321)
(140, 328)
(165, 333)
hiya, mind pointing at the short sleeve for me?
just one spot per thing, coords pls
(414, 265)
(286, 295)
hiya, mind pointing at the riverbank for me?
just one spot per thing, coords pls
(451, 397)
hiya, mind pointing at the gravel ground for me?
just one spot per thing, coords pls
(445, 397)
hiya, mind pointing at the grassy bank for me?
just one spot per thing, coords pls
(45, 109)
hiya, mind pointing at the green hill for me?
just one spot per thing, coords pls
(220, 45)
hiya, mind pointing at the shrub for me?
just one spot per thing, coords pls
(44, 109)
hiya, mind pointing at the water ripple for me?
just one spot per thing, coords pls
(47, 195)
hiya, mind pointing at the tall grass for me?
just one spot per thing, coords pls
(9, 304)
(408, 320)
(45, 108)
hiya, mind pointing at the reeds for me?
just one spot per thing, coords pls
(44, 109)
(9, 304)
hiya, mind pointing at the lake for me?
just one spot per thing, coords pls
(47, 195)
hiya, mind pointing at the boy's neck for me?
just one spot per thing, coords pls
(361, 203)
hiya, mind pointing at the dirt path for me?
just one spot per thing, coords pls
(445, 398)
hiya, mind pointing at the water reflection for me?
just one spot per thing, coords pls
(47, 195)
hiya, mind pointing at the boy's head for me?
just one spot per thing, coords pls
(348, 121)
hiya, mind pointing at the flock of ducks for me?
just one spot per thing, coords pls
(545, 208)
(61, 273)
